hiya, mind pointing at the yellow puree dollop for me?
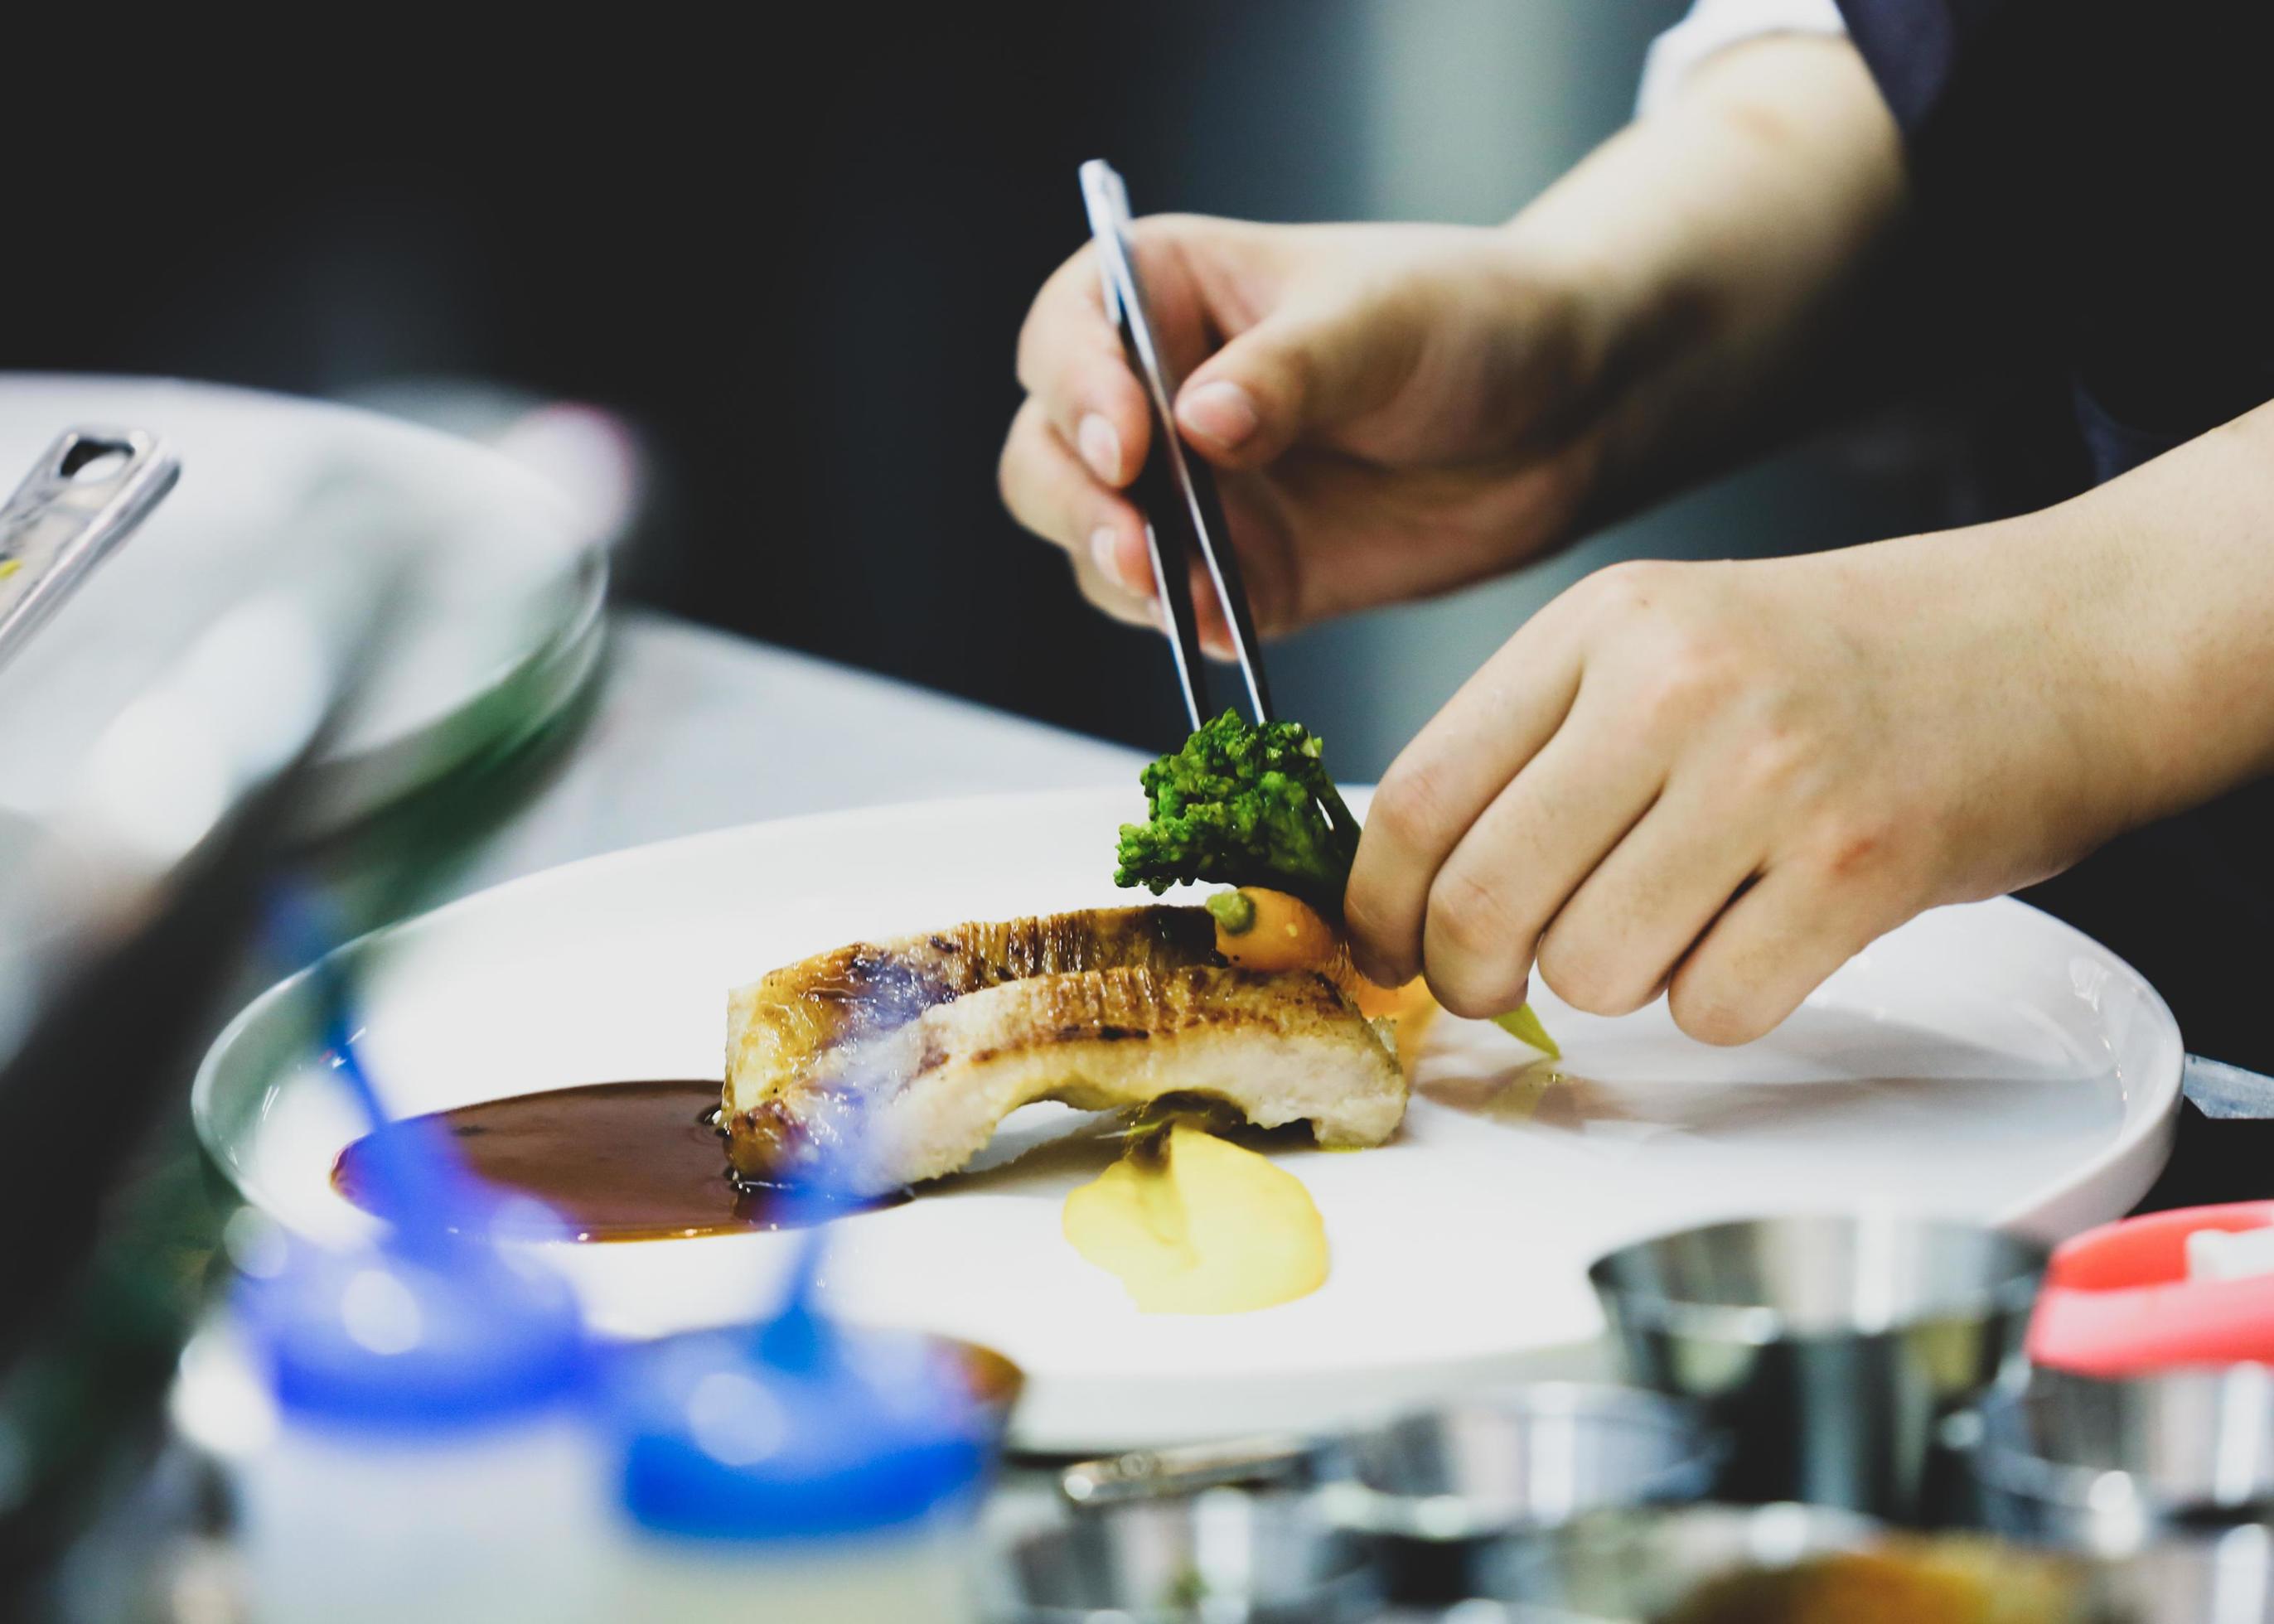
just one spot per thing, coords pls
(1194, 1224)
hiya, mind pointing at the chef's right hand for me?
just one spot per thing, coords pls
(1396, 410)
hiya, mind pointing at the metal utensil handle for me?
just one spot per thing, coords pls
(85, 496)
(2227, 1093)
(1148, 1473)
(1184, 515)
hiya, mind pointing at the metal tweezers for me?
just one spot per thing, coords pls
(1175, 491)
(85, 494)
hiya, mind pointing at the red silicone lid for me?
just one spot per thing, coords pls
(2117, 1300)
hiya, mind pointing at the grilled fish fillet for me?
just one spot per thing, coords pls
(893, 1063)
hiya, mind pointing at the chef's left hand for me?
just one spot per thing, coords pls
(1721, 780)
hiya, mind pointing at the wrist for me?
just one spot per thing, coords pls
(2029, 620)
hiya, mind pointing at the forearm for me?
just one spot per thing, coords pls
(2163, 581)
(1719, 248)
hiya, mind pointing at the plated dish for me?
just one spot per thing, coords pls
(1983, 1062)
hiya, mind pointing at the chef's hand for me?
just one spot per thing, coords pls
(1721, 780)
(1400, 409)
(1392, 406)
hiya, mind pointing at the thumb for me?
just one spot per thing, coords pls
(1291, 374)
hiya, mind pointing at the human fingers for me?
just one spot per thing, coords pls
(1070, 361)
(1051, 493)
(1612, 945)
(1530, 851)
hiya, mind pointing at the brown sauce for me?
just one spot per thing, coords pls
(616, 1162)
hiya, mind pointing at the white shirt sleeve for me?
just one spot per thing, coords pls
(1716, 24)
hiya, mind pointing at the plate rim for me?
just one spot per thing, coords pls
(552, 670)
(1071, 1413)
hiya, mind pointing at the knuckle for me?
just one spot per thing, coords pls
(1055, 314)
(1006, 471)
(1708, 1009)
(1376, 931)
(1588, 975)
(1408, 807)
(1852, 847)
(1774, 765)
(1476, 964)
(1015, 481)
(1627, 588)
(1691, 672)
(1027, 363)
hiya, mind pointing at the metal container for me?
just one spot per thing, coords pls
(1224, 1556)
(2098, 1464)
(1830, 1347)
(1763, 1564)
(1458, 1496)
(1637, 1564)
(2168, 1478)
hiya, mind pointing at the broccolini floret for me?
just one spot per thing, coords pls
(1244, 806)
(1254, 806)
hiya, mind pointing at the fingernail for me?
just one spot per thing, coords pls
(1101, 447)
(1105, 548)
(1219, 411)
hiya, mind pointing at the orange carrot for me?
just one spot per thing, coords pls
(1276, 931)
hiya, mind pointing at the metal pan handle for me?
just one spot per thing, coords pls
(85, 496)
(2227, 1093)
(1150, 1473)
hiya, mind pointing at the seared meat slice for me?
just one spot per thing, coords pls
(792, 1020)
(920, 1099)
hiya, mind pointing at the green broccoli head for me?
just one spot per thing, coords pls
(1244, 806)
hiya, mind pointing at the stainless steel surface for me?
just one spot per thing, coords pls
(2224, 1091)
(1831, 1348)
(1278, 1461)
(1175, 490)
(85, 494)
(1221, 1557)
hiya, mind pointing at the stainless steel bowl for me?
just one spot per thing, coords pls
(2095, 1464)
(1224, 1556)
(1637, 1565)
(2199, 1575)
(1519, 1457)
(1830, 1347)
(1458, 1496)
(2169, 1477)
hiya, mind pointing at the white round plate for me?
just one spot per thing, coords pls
(1985, 1062)
(494, 645)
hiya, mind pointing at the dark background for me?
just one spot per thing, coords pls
(792, 245)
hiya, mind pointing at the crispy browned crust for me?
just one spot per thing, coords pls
(1137, 1004)
(799, 1014)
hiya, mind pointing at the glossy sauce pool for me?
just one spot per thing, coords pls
(616, 1162)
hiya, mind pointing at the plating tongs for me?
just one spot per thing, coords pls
(1175, 490)
(87, 494)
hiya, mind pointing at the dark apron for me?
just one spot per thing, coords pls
(2102, 173)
